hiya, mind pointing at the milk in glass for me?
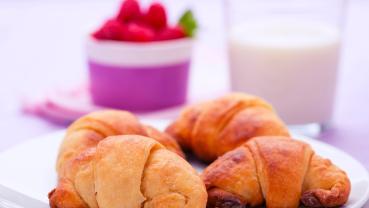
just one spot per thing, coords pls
(293, 65)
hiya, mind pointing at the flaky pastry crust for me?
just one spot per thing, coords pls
(213, 128)
(277, 172)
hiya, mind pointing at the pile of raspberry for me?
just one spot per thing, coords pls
(133, 24)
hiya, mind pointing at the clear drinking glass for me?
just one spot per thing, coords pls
(287, 51)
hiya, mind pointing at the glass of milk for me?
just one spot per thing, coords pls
(287, 51)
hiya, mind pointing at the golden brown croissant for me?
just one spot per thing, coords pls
(85, 134)
(277, 171)
(129, 171)
(213, 128)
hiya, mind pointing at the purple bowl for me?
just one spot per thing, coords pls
(139, 76)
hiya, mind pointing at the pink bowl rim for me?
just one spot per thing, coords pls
(119, 53)
(166, 44)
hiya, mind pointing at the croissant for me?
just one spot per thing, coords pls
(213, 128)
(129, 171)
(85, 134)
(277, 171)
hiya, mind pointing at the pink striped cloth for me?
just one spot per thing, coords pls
(65, 106)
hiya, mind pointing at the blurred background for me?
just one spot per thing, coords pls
(42, 49)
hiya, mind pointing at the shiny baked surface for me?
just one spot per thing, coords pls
(96, 169)
(277, 171)
(215, 127)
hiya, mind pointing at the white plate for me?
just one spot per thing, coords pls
(29, 167)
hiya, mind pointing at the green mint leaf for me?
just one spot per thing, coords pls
(188, 23)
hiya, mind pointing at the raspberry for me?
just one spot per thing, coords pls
(129, 11)
(156, 16)
(139, 33)
(171, 33)
(111, 30)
